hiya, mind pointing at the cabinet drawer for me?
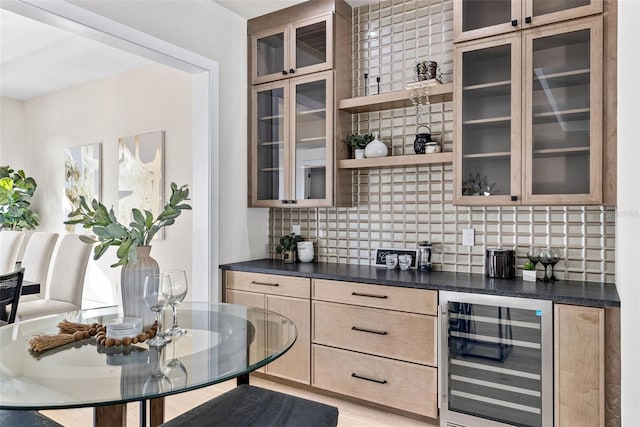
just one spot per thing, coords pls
(405, 336)
(380, 296)
(269, 284)
(397, 384)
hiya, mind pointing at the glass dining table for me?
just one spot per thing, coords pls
(223, 342)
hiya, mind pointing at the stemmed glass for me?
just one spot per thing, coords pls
(156, 294)
(179, 288)
(549, 256)
(175, 371)
(158, 381)
(533, 255)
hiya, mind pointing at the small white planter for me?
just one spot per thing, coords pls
(359, 153)
(529, 275)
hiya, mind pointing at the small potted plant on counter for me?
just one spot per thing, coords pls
(287, 247)
(358, 143)
(529, 272)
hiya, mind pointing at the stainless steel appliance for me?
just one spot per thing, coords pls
(495, 361)
(500, 263)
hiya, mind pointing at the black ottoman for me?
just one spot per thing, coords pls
(25, 419)
(249, 406)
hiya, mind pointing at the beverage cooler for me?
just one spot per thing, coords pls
(496, 366)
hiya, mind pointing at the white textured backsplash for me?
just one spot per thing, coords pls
(401, 206)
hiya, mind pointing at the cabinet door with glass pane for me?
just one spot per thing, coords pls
(563, 113)
(311, 46)
(487, 105)
(269, 55)
(474, 19)
(312, 140)
(269, 143)
(542, 12)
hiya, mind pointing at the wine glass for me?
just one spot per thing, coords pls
(175, 371)
(158, 381)
(533, 255)
(555, 257)
(547, 257)
(156, 294)
(179, 288)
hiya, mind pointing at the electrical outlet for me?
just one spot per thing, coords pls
(468, 237)
(295, 228)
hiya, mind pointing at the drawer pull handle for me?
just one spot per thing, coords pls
(358, 294)
(253, 282)
(354, 375)
(355, 328)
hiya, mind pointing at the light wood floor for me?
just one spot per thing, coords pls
(351, 414)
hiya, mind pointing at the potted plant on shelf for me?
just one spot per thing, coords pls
(287, 247)
(529, 272)
(133, 242)
(16, 191)
(358, 143)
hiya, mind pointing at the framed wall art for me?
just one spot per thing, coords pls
(82, 177)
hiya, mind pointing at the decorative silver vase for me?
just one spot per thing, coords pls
(132, 285)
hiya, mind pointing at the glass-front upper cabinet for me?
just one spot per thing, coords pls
(312, 138)
(481, 18)
(292, 142)
(563, 113)
(487, 100)
(269, 150)
(298, 48)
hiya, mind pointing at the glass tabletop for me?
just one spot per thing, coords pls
(223, 341)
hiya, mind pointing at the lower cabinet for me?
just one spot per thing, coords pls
(367, 345)
(579, 365)
(288, 296)
(389, 382)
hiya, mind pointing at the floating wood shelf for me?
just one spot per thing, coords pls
(397, 161)
(395, 99)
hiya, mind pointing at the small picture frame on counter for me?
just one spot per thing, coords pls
(381, 255)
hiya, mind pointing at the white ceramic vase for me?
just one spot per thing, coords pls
(376, 148)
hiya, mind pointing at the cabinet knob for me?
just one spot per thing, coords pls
(514, 198)
(291, 71)
(284, 72)
(514, 23)
(527, 20)
(284, 202)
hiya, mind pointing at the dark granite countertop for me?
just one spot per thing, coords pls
(561, 291)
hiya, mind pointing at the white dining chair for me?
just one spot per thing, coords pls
(36, 261)
(66, 282)
(10, 242)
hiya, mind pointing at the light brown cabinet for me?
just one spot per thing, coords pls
(377, 343)
(294, 49)
(528, 116)
(299, 63)
(288, 296)
(474, 19)
(579, 365)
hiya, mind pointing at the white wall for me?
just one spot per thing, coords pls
(146, 99)
(12, 133)
(210, 30)
(628, 211)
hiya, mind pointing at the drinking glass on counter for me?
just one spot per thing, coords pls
(156, 294)
(404, 261)
(549, 256)
(179, 287)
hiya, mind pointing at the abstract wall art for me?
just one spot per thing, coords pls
(82, 178)
(141, 175)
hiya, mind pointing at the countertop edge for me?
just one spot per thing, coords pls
(438, 281)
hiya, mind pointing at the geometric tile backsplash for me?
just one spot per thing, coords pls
(398, 207)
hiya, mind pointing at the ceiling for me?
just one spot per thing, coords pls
(36, 59)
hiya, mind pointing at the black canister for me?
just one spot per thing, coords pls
(500, 263)
(422, 139)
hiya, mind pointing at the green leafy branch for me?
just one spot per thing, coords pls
(110, 232)
(289, 242)
(16, 191)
